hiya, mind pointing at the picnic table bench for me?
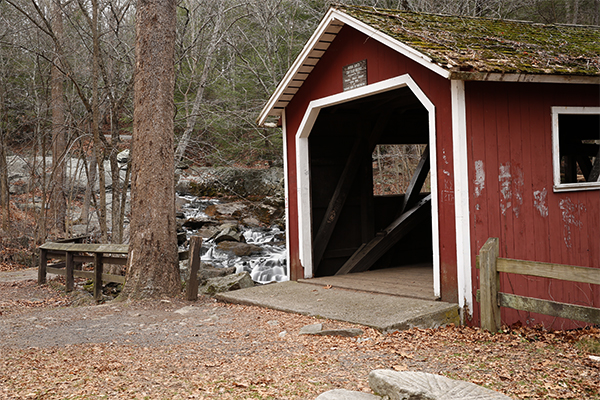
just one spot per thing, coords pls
(74, 254)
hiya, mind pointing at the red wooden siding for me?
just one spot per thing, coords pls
(383, 63)
(509, 137)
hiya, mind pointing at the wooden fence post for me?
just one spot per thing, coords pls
(98, 269)
(191, 290)
(489, 284)
(70, 281)
(42, 269)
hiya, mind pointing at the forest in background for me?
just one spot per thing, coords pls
(66, 89)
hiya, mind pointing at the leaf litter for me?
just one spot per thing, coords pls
(224, 351)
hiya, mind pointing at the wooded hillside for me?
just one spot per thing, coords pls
(66, 83)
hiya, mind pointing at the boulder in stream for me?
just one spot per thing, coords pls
(207, 272)
(229, 233)
(239, 249)
(227, 283)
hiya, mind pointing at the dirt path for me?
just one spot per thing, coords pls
(29, 274)
(175, 349)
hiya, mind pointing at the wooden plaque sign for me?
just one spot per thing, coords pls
(355, 75)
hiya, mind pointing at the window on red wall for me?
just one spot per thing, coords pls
(394, 166)
(576, 148)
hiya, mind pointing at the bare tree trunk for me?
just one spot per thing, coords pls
(4, 190)
(59, 140)
(96, 125)
(116, 182)
(575, 15)
(43, 214)
(193, 116)
(90, 172)
(123, 202)
(152, 269)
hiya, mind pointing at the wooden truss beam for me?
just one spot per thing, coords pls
(416, 183)
(412, 192)
(370, 252)
(594, 175)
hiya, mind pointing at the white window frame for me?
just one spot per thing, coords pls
(567, 187)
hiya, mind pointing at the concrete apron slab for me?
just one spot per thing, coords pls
(380, 311)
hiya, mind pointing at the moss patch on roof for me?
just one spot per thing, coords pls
(489, 45)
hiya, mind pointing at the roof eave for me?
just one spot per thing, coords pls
(523, 77)
(333, 16)
(308, 47)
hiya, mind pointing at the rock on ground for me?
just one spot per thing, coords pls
(227, 283)
(420, 385)
(206, 272)
(239, 249)
(410, 385)
(317, 330)
(343, 394)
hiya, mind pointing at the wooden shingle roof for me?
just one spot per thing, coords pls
(463, 48)
(490, 45)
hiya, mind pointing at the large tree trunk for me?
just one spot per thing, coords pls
(152, 269)
(59, 141)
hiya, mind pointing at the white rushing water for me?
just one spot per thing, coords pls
(270, 265)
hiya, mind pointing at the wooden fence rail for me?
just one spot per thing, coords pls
(491, 299)
(74, 254)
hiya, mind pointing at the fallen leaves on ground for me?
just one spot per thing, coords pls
(242, 354)
(22, 296)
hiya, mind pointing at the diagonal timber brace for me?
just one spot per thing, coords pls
(369, 253)
(416, 182)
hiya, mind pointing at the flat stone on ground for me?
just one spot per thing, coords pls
(343, 394)
(311, 329)
(420, 385)
(345, 332)
(317, 329)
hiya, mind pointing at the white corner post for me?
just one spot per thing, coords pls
(461, 197)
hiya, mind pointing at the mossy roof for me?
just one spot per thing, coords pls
(489, 45)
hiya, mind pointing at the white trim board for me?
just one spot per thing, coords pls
(314, 39)
(461, 196)
(303, 166)
(286, 197)
(524, 78)
(392, 43)
(333, 17)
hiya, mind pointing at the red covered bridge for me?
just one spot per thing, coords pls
(508, 116)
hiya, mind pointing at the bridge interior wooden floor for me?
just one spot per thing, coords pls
(414, 281)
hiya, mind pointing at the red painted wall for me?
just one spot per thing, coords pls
(510, 169)
(383, 63)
